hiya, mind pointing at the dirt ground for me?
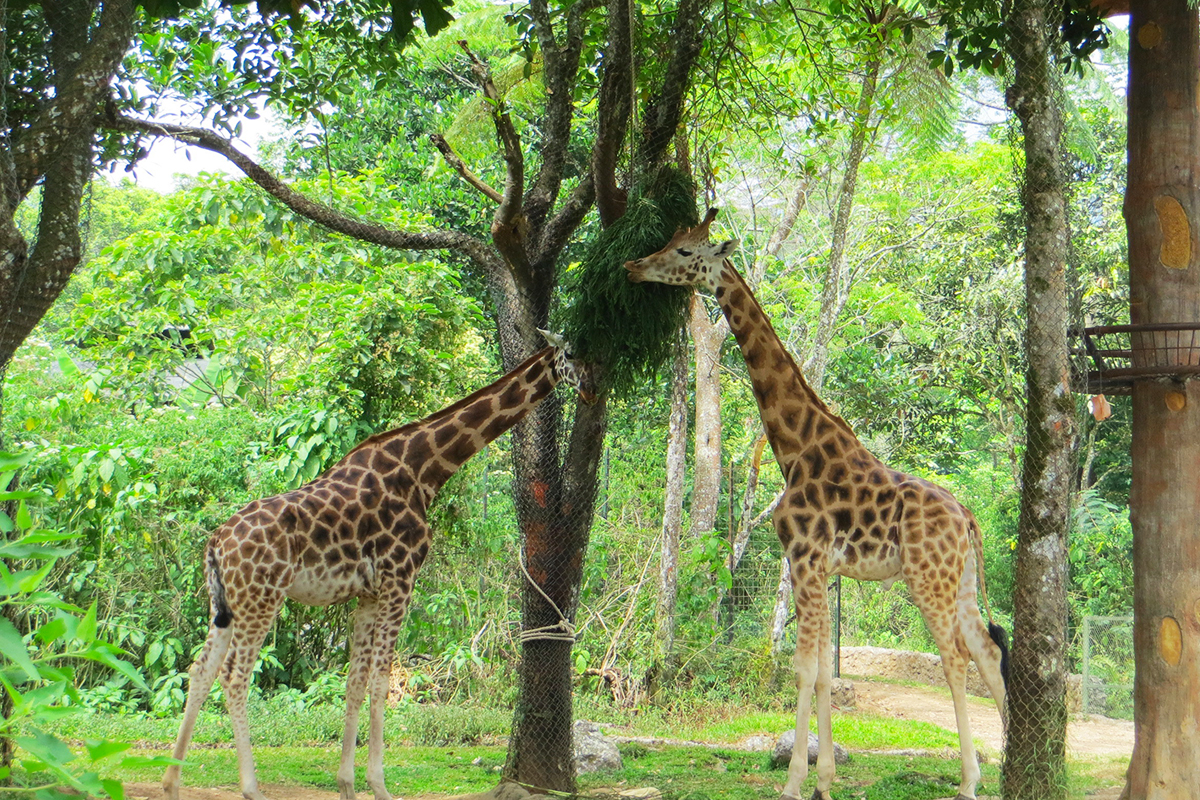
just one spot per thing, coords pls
(1086, 737)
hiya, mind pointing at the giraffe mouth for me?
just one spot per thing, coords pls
(636, 271)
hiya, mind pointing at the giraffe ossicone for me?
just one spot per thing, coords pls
(357, 531)
(844, 512)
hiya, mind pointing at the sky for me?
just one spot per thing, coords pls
(168, 159)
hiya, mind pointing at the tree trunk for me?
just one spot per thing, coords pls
(1161, 204)
(707, 337)
(836, 290)
(55, 150)
(668, 582)
(1035, 753)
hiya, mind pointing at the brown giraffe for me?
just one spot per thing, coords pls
(844, 512)
(358, 531)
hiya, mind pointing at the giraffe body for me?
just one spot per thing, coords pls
(357, 531)
(844, 512)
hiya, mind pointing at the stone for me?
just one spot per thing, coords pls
(782, 754)
(842, 693)
(594, 752)
(505, 791)
(645, 793)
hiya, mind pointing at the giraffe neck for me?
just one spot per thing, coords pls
(435, 448)
(791, 411)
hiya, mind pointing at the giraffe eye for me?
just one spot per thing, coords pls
(682, 252)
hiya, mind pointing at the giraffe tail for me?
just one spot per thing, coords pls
(222, 615)
(995, 630)
(1000, 637)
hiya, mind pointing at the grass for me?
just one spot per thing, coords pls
(408, 770)
(432, 750)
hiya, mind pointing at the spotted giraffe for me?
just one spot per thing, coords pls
(357, 531)
(844, 512)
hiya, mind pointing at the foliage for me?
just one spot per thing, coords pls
(36, 667)
(628, 328)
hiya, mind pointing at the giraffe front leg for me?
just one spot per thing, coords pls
(365, 620)
(379, 692)
(382, 652)
(825, 760)
(810, 607)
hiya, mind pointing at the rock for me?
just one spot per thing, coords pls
(756, 742)
(505, 791)
(645, 793)
(842, 693)
(593, 750)
(782, 754)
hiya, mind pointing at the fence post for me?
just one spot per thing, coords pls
(1087, 659)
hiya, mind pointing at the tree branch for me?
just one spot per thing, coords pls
(75, 99)
(462, 169)
(665, 111)
(474, 249)
(509, 227)
(560, 227)
(561, 70)
(614, 106)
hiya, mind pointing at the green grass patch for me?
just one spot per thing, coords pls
(276, 724)
(684, 773)
(408, 770)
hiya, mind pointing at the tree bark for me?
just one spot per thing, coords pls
(663, 668)
(707, 337)
(54, 148)
(1161, 204)
(1035, 753)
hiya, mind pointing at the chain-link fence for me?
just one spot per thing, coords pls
(1107, 665)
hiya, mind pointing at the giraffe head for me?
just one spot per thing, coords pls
(569, 369)
(689, 259)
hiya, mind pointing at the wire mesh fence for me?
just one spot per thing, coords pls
(1107, 663)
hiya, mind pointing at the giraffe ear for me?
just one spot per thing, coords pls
(554, 339)
(726, 249)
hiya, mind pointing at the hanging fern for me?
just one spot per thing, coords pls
(626, 328)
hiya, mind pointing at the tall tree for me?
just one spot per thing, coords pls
(533, 217)
(1035, 753)
(663, 667)
(58, 60)
(1162, 216)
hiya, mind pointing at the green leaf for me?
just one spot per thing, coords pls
(86, 632)
(46, 748)
(51, 631)
(114, 788)
(98, 749)
(24, 518)
(12, 647)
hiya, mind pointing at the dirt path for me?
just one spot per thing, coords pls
(1091, 736)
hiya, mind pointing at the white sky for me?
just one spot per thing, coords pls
(168, 159)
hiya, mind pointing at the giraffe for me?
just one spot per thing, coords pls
(357, 531)
(844, 512)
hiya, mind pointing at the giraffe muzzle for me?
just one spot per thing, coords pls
(636, 271)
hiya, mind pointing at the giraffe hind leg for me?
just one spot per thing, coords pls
(201, 677)
(249, 631)
(989, 650)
